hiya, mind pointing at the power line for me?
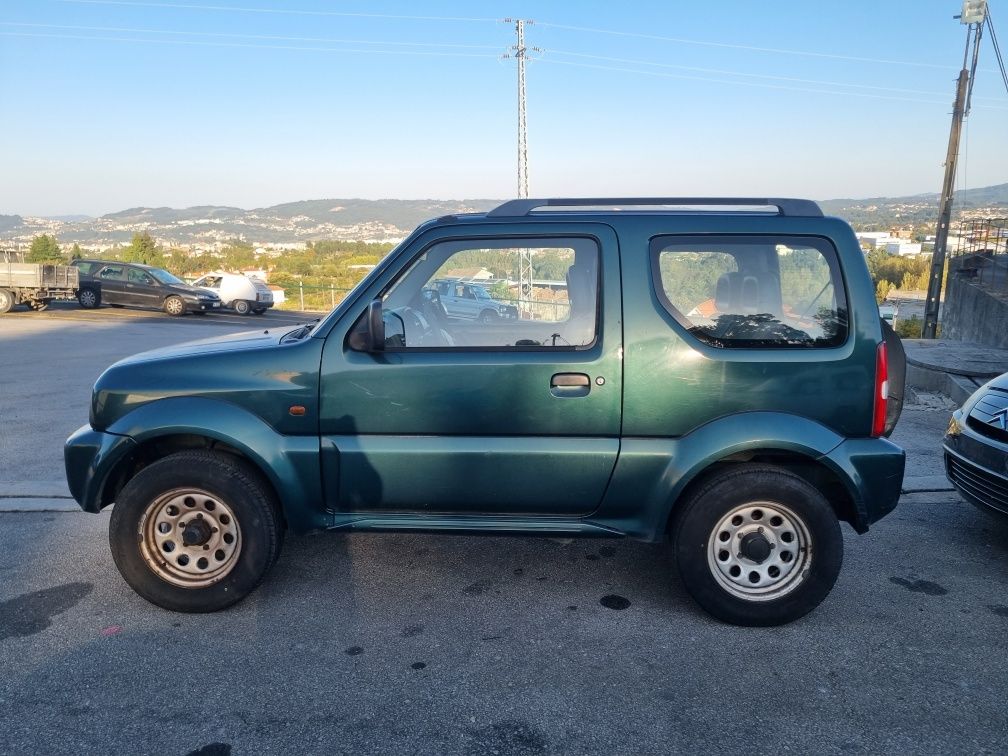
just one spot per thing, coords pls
(189, 33)
(277, 11)
(195, 43)
(751, 48)
(742, 73)
(662, 74)
(997, 49)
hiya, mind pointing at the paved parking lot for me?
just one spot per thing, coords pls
(413, 643)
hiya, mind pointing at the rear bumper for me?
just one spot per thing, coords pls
(89, 456)
(872, 469)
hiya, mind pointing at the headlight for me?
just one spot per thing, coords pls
(955, 426)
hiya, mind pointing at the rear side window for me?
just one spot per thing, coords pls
(752, 291)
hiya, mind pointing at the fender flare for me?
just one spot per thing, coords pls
(671, 465)
(290, 463)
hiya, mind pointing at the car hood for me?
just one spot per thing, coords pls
(192, 291)
(234, 342)
(1000, 383)
(250, 369)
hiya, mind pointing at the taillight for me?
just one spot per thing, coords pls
(881, 390)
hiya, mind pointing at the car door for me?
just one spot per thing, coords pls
(113, 284)
(513, 417)
(141, 288)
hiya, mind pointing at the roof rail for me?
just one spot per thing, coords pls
(785, 206)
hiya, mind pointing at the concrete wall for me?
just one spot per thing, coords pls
(971, 314)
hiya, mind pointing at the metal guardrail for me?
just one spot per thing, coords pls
(322, 298)
(981, 255)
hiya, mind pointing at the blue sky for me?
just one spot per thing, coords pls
(112, 104)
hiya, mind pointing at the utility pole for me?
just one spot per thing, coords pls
(973, 14)
(520, 52)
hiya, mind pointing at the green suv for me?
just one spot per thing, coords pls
(711, 371)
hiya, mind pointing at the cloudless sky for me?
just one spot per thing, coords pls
(106, 105)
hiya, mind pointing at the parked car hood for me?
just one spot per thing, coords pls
(250, 369)
(190, 290)
(234, 342)
(1001, 382)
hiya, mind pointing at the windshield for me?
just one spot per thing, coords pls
(165, 277)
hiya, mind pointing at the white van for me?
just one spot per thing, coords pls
(243, 294)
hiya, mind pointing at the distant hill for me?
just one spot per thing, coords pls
(390, 219)
(10, 222)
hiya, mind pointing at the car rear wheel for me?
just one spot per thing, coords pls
(88, 299)
(174, 306)
(195, 531)
(757, 545)
(242, 307)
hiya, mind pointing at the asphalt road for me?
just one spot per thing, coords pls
(430, 644)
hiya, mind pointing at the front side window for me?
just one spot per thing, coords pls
(498, 293)
(139, 277)
(165, 277)
(752, 291)
(113, 273)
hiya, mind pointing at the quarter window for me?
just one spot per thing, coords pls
(757, 291)
(497, 294)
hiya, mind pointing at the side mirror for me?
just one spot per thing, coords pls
(376, 326)
(368, 335)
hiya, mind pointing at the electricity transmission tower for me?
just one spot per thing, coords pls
(973, 14)
(520, 52)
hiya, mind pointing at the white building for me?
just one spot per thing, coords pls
(901, 248)
(873, 239)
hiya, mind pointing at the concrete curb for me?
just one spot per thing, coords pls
(926, 484)
(37, 505)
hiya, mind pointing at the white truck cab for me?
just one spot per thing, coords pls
(241, 293)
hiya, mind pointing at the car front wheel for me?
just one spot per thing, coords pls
(757, 545)
(195, 531)
(174, 306)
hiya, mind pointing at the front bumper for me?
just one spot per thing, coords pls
(873, 472)
(978, 467)
(89, 457)
(202, 305)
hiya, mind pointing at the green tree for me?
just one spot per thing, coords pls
(882, 291)
(142, 249)
(75, 252)
(44, 249)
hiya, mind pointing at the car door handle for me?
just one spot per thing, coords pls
(570, 385)
(568, 380)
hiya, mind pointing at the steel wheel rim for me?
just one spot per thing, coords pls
(171, 538)
(174, 306)
(790, 551)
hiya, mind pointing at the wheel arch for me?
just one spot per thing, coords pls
(810, 468)
(288, 464)
(663, 472)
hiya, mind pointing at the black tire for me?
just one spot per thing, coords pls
(175, 306)
(749, 490)
(489, 316)
(6, 301)
(233, 482)
(88, 298)
(241, 306)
